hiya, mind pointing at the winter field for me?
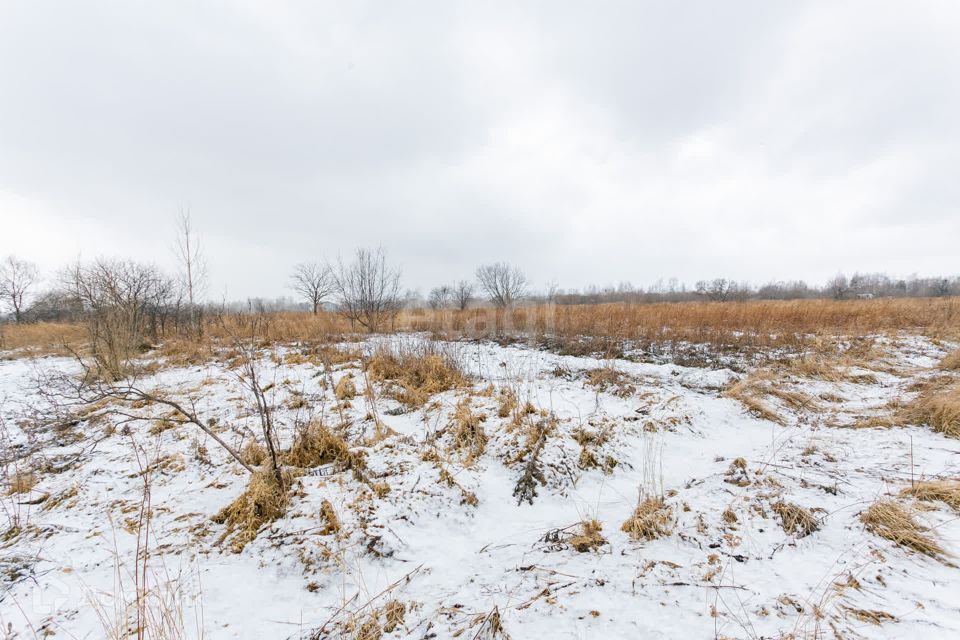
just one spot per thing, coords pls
(484, 489)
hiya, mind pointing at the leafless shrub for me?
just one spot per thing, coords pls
(532, 475)
(368, 289)
(193, 269)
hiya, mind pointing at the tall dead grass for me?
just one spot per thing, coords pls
(792, 324)
(936, 406)
(945, 491)
(42, 338)
(416, 371)
(895, 522)
(772, 323)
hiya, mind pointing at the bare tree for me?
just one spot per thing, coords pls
(717, 290)
(463, 294)
(16, 279)
(440, 297)
(839, 287)
(193, 266)
(313, 281)
(368, 289)
(504, 284)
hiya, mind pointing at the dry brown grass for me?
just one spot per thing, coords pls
(415, 372)
(345, 389)
(795, 520)
(42, 338)
(951, 362)
(468, 436)
(611, 380)
(589, 536)
(651, 519)
(792, 324)
(896, 523)
(773, 323)
(316, 445)
(936, 406)
(21, 482)
(261, 503)
(331, 523)
(755, 390)
(946, 491)
(394, 612)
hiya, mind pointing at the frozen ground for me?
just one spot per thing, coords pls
(488, 567)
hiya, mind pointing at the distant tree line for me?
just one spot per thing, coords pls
(145, 301)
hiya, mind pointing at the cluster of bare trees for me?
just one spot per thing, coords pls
(457, 296)
(366, 289)
(503, 284)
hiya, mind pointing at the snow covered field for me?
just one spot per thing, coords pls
(437, 543)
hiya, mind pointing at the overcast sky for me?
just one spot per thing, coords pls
(587, 142)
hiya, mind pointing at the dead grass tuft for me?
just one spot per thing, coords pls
(795, 520)
(331, 523)
(951, 362)
(651, 519)
(589, 538)
(937, 406)
(345, 389)
(316, 445)
(394, 613)
(260, 504)
(896, 523)
(253, 453)
(610, 380)
(22, 482)
(946, 491)
(469, 437)
(416, 371)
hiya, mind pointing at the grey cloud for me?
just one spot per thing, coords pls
(589, 142)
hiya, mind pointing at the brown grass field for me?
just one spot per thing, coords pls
(790, 324)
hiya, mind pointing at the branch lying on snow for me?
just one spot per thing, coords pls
(90, 388)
